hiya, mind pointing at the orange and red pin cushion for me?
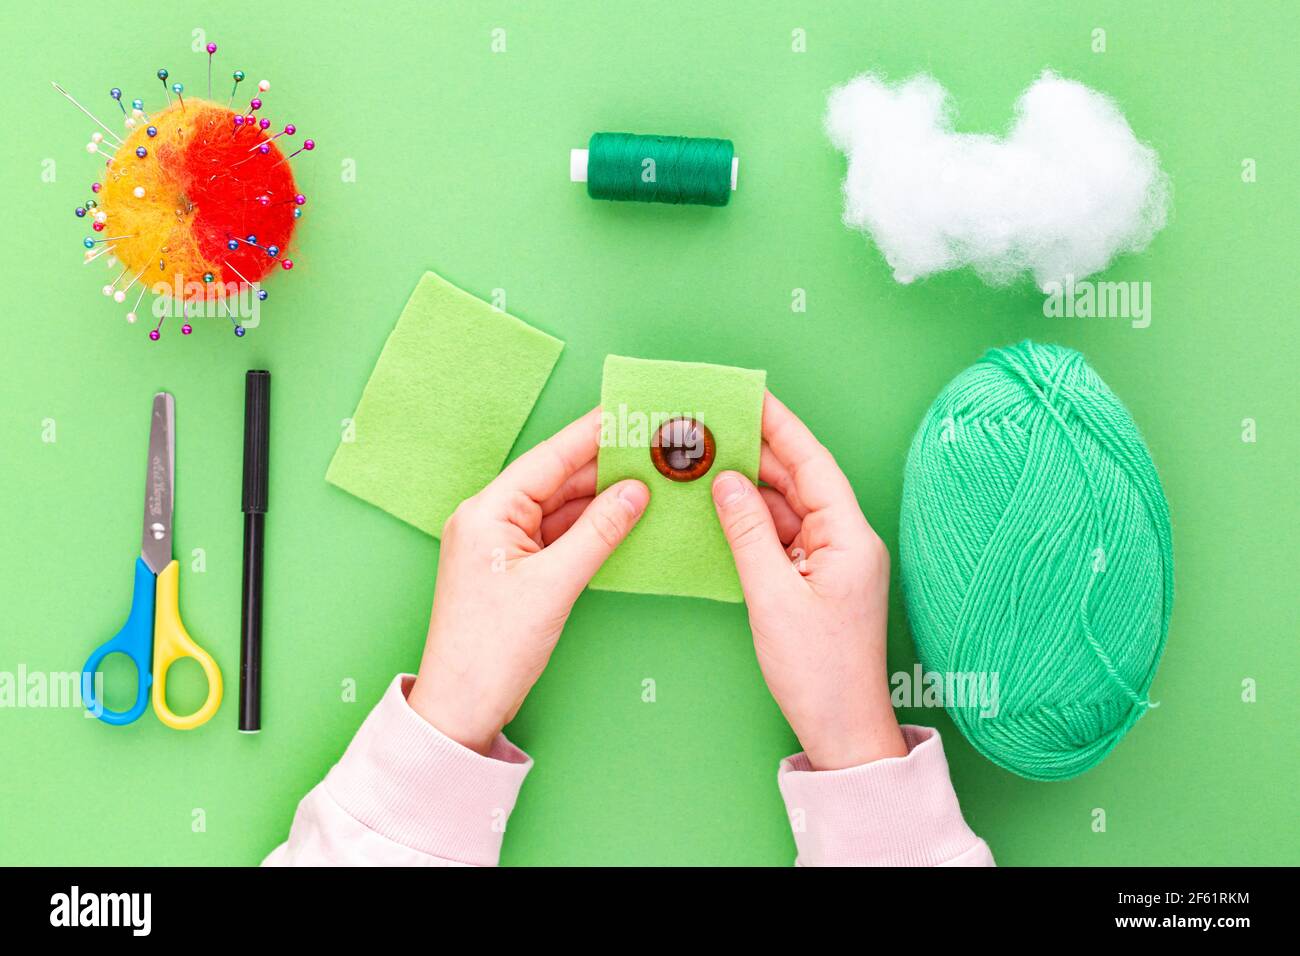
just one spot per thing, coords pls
(198, 201)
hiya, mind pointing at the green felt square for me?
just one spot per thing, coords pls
(453, 386)
(678, 546)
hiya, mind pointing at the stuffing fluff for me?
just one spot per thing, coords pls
(1064, 192)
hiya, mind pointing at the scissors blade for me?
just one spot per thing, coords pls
(156, 542)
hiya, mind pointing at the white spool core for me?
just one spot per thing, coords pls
(578, 167)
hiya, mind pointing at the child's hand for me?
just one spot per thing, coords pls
(514, 559)
(816, 581)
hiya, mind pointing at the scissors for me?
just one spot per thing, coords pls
(154, 628)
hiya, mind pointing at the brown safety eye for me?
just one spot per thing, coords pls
(682, 449)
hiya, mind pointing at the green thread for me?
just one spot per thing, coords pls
(1035, 544)
(668, 169)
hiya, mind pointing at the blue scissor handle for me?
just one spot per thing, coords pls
(135, 640)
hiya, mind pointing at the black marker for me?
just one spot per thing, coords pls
(257, 418)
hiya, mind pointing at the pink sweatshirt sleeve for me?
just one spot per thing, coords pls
(404, 794)
(901, 811)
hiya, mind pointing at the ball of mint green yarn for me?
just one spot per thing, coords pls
(1036, 551)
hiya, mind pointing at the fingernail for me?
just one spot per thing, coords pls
(727, 489)
(634, 496)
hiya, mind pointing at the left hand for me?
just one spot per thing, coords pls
(514, 559)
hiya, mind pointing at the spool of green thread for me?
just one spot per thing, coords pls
(1035, 544)
(667, 169)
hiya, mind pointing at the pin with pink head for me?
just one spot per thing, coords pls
(211, 48)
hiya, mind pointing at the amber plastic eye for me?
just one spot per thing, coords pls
(683, 449)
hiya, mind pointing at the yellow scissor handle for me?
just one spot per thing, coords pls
(171, 642)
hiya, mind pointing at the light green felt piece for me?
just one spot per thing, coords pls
(453, 386)
(678, 546)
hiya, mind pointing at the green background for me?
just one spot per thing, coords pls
(461, 166)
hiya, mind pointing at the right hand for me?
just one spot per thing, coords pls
(816, 582)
